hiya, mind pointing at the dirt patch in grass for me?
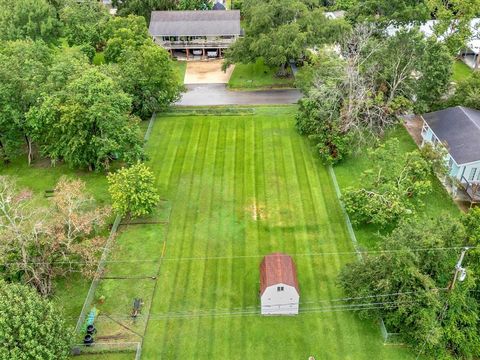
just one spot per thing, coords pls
(207, 72)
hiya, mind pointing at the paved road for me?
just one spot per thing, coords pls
(218, 94)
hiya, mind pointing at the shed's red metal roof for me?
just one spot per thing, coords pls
(278, 268)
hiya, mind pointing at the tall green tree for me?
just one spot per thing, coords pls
(435, 73)
(142, 7)
(467, 92)
(123, 33)
(194, 5)
(280, 31)
(385, 12)
(84, 22)
(32, 19)
(23, 73)
(67, 64)
(31, 327)
(455, 18)
(148, 75)
(88, 124)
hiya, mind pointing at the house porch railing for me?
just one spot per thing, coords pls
(471, 188)
(195, 44)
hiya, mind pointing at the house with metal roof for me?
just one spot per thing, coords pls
(201, 33)
(458, 129)
(279, 291)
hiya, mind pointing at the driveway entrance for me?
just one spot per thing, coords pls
(207, 72)
(218, 94)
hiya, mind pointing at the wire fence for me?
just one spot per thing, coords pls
(98, 274)
(106, 251)
(135, 348)
(388, 338)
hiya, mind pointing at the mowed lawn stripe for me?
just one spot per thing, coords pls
(211, 226)
(224, 167)
(308, 277)
(196, 237)
(225, 281)
(238, 267)
(182, 175)
(327, 264)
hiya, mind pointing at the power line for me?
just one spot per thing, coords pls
(241, 256)
(324, 309)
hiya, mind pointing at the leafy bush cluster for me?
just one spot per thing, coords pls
(391, 187)
(30, 326)
(133, 191)
(412, 286)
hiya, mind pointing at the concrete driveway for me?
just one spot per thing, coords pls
(207, 72)
(218, 94)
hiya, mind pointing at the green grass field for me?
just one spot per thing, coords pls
(256, 76)
(241, 187)
(180, 68)
(349, 171)
(460, 71)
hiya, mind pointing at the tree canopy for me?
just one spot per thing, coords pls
(280, 31)
(411, 288)
(88, 124)
(142, 7)
(467, 92)
(133, 191)
(31, 327)
(84, 22)
(29, 19)
(23, 73)
(148, 75)
(39, 245)
(361, 93)
(122, 33)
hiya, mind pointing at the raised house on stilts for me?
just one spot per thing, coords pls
(195, 34)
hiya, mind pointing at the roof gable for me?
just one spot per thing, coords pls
(278, 268)
(459, 128)
(195, 23)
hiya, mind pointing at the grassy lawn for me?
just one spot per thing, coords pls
(348, 173)
(180, 67)
(241, 187)
(461, 71)
(256, 76)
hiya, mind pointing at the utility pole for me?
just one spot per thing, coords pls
(460, 272)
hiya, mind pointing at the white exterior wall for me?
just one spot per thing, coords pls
(274, 302)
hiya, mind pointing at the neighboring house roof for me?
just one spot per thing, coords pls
(277, 268)
(218, 6)
(195, 23)
(459, 127)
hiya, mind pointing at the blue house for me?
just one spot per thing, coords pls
(458, 129)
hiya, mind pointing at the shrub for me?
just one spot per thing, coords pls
(133, 191)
